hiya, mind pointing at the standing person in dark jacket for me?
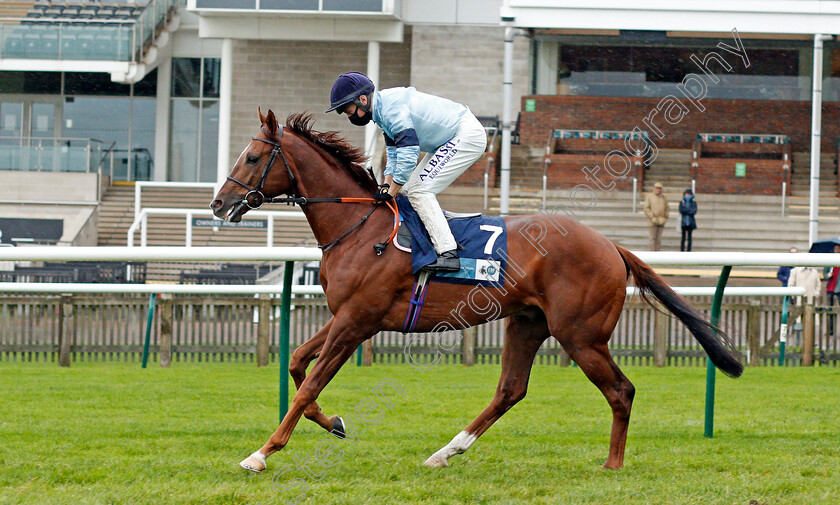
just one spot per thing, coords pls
(688, 207)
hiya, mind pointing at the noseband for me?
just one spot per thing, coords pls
(259, 197)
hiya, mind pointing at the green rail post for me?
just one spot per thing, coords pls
(285, 319)
(710, 367)
(783, 331)
(149, 321)
(359, 355)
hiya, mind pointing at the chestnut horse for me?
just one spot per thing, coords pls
(563, 280)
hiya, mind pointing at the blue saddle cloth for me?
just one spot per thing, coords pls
(484, 242)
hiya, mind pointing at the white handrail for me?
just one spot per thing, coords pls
(149, 289)
(169, 253)
(141, 219)
(139, 185)
(181, 254)
(251, 289)
(734, 291)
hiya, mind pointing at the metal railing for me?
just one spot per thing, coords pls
(50, 154)
(141, 222)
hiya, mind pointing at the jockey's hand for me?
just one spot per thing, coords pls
(382, 194)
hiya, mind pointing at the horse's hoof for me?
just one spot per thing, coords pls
(338, 428)
(436, 462)
(253, 463)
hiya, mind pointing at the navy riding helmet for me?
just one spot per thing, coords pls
(347, 89)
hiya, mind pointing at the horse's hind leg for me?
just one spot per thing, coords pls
(301, 359)
(597, 363)
(525, 333)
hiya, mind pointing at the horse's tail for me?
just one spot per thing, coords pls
(714, 341)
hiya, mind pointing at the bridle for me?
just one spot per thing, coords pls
(292, 199)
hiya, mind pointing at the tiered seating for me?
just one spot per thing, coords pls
(78, 12)
(230, 273)
(79, 271)
(11, 9)
(569, 151)
(755, 164)
(71, 30)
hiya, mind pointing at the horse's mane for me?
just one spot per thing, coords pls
(346, 154)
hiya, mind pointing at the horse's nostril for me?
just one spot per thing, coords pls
(216, 204)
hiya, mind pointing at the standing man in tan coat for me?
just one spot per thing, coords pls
(656, 210)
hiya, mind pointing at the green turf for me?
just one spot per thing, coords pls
(111, 433)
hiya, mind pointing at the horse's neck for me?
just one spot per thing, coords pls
(330, 220)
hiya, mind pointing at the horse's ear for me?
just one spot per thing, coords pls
(271, 123)
(262, 118)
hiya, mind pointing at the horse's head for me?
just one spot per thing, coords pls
(260, 172)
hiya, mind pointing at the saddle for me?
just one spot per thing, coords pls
(403, 239)
(482, 245)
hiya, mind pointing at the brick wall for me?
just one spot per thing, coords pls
(460, 63)
(724, 116)
(763, 177)
(464, 64)
(288, 82)
(474, 176)
(567, 170)
(732, 149)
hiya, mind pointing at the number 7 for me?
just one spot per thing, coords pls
(496, 231)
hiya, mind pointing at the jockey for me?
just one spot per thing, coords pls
(411, 121)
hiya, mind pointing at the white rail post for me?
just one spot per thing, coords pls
(269, 239)
(784, 193)
(545, 180)
(143, 230)
(486, 183)
(635, 185)
(188, 224)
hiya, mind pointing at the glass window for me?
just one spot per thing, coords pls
(654, 71)
(36, 83)
(209, 150)
(212, 75)
(183, 143)
(193, 148)
(186, 77)
(89, 83)
(301, 5)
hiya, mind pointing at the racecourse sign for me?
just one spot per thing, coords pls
(254, 224)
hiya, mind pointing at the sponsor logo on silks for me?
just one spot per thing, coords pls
(439, 160)
(475, 269)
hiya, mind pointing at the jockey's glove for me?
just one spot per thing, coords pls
(382, 194)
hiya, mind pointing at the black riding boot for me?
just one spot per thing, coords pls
(446, 262)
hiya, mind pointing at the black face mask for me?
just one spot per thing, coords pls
(361, 120)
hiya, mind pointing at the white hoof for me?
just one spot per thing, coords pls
(253, 463)
(436, 462)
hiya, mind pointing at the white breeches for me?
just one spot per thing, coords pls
(436, 171)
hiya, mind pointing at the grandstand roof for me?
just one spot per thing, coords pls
(747, 16)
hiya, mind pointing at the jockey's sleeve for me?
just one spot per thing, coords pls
(404, 145)
(402, 155)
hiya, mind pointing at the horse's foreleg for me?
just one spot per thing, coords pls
(524, 334)
(336, 351)
(301, 359)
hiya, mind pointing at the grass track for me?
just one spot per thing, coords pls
(111, 433)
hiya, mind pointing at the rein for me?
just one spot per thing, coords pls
(260, 198)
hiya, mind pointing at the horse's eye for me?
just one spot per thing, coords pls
(251, 159)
